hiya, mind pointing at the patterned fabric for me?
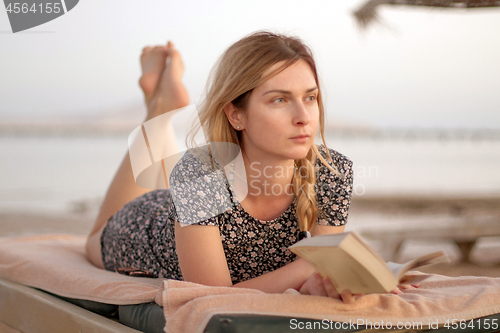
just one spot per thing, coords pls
(142, 233)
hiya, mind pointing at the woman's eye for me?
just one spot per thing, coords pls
(279, 100)
(311, 98)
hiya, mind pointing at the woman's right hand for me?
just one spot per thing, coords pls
(318, 286)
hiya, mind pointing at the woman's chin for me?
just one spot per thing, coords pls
(299, 154)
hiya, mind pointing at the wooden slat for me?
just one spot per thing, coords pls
(464, 234)
(33, 311)
(7, 329)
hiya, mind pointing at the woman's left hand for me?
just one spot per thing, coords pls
(399, 289)
(319, 286)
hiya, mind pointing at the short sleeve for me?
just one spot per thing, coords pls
(199, 190)
(333, 191)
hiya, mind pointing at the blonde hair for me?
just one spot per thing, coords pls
(238, 71)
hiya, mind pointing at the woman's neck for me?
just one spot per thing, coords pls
(269, 186)
(269, 179)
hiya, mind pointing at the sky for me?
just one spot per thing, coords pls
(422, 68)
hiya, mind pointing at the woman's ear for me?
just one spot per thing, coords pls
(235, 116)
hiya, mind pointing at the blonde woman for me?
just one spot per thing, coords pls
(264, 96)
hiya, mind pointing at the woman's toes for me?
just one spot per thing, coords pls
(146, 49)
(175, 66)
(163, 89)
(153, 59)
(152, 64)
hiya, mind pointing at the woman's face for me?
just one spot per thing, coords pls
(282, 115)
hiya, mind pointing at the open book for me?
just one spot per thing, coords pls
(352, 264)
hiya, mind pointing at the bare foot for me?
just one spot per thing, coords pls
(152, 63)
(161, 81)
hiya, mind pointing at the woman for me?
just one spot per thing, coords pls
(264, 96)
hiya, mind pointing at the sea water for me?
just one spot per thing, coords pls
(58, 174)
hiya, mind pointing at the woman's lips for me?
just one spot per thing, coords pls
(301, 138)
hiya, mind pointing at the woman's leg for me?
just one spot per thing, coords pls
(161, 82)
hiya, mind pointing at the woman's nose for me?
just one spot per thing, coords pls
(301, 116)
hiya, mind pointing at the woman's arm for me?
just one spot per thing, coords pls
(201, 255)
(326, 229)
(293, 275)
(202, 260)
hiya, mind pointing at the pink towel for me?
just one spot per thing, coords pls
(58, 264)
(188, 306)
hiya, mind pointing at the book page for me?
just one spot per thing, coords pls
(413, 278)
(395, 267)
(428, 259)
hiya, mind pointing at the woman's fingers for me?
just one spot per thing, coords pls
(330, 288)
(319, 286)
(396, 291)
(405, 286)
(347, 297)
(314, 286)
(399, 289)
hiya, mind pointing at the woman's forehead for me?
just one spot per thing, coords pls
(298, 76)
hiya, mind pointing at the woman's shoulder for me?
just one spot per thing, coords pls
(339, 161)
(198, 188)
(333, 189)
(194, 163)
(195, 157)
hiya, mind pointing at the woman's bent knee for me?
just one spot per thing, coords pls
(93, 249)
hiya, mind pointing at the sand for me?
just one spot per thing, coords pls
(380, 212)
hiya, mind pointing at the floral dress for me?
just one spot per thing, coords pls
(142, 234)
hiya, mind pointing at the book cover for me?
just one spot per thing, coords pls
(352, 264)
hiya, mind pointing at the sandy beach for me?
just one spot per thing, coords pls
(386, 213)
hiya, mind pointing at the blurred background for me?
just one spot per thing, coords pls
(413, 101)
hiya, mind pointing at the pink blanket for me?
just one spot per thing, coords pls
(57, 264)
(188, 307)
